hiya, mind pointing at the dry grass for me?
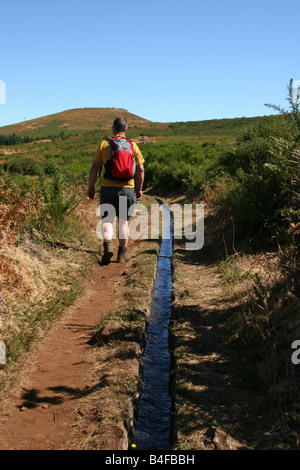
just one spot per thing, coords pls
(36, 284)
(234, 324)
(77, 119)
(38, 279)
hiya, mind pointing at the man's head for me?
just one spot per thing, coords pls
(120, 125)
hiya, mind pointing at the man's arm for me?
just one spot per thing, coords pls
(93, 178)
(140, 175)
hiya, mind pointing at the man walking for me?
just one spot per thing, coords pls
(122, 160)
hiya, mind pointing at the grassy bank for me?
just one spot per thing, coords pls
(234, 319)
(48, 243)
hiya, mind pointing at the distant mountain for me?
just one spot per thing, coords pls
(74, 120)
(80, 121)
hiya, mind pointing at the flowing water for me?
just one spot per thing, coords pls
(153, 424)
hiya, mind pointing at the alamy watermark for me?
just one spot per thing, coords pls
(187, 222)
(2, 352)
(2, 92)
(296, 92)
(296, 354)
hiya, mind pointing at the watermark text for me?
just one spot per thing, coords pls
(2, 352)
(296, 92)
(296, 354)
(161, 221)
(2, 92)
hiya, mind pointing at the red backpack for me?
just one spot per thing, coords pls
(121, 164)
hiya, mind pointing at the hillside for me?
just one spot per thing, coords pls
(81, 121)
(74, 120)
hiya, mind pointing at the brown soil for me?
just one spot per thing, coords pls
(59, 388)
(213, 410)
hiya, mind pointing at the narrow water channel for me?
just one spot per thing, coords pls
(153, 424)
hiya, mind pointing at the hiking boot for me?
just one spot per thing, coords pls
(108, 252)
(122, 254)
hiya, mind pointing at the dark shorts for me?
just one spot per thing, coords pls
(122, 200)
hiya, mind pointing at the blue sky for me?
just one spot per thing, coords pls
(163, 60)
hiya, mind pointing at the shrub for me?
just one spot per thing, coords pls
(57, 205)
(182, 167)
(23, 166)
(264, 166)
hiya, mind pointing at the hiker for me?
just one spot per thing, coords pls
(122, 161)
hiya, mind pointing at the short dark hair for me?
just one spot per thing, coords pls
(120, 125)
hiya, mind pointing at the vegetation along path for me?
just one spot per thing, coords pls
(78, 387)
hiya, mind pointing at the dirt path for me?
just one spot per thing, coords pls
(43, 409)
(72, 395)
(213, 411)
